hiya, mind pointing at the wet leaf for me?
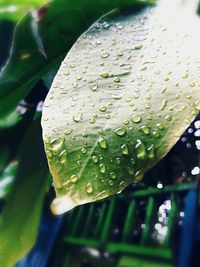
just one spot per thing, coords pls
(21, 215)
(124, 94)
(41, 40)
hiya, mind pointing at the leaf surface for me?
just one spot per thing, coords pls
(21, 215)
(41, 39)
(122, 97)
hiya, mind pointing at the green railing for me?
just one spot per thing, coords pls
(124, 225)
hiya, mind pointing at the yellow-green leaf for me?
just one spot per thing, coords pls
(124, 94)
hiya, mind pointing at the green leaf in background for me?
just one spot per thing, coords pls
(41, 40)
(21, 215)
(124, 94)
(15, 9)
(7, 178)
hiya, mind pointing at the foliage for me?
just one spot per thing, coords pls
(122, 97)
(41, 40)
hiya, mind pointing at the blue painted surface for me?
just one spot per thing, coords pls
(188, 230)
(40, 254)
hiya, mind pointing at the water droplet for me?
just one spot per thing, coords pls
(156, 134)
(132, 161)
(192, 84)
(113, 175)
(164, 104)
(83, 150)
(92, 120)
(117, 161)
(120, 53)
(102, 143)
(104, 75)
(110, 183)
(102, 168)
(160, 126)
(119, 26)
(166, 79)
(120, 131)
(104, 54)
(126, 122)
(168, 117)
(95, 159)
(77, 117)
(57, 144)
(163, 90)
(100, 131)
(145, 129)
(137, 46)
(73, 179)
(136, 118)
(140, 150)
(143, 68)
(94, 87)
(89, 188)
(117, 79)
(147, 106)
(116, 97)
(148, 96)
(151, 152)
(107, 116)
(124, 150)
(102, 108)
(185, 76)
(67, 132)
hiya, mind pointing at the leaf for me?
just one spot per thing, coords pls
(124, 94)
(41, 40)
(15, 9)
(7, 178)
(21, 215)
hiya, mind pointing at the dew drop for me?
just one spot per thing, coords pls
(102, 108)
(124, 150)
(140, 150)
(73, 179)
(136, 118)
(67, 132)
(160, 126)
(120, 131)
(94, 87)
(104, 54)
(102, 143)
(83, 150)
(57, 144)
(104, 75)
(145, 129)
(95, 159)
(168, 117)
(117, 79)
(89, 188)
(137, 46)
(102, 168)
(77, 117)
(164, 104)
(151, 152)
(113, 175)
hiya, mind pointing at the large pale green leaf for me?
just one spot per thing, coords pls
(122, 97)
(14, 9)
(41, 40)
(21, 215)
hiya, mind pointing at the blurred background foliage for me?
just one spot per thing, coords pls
(36, 44)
